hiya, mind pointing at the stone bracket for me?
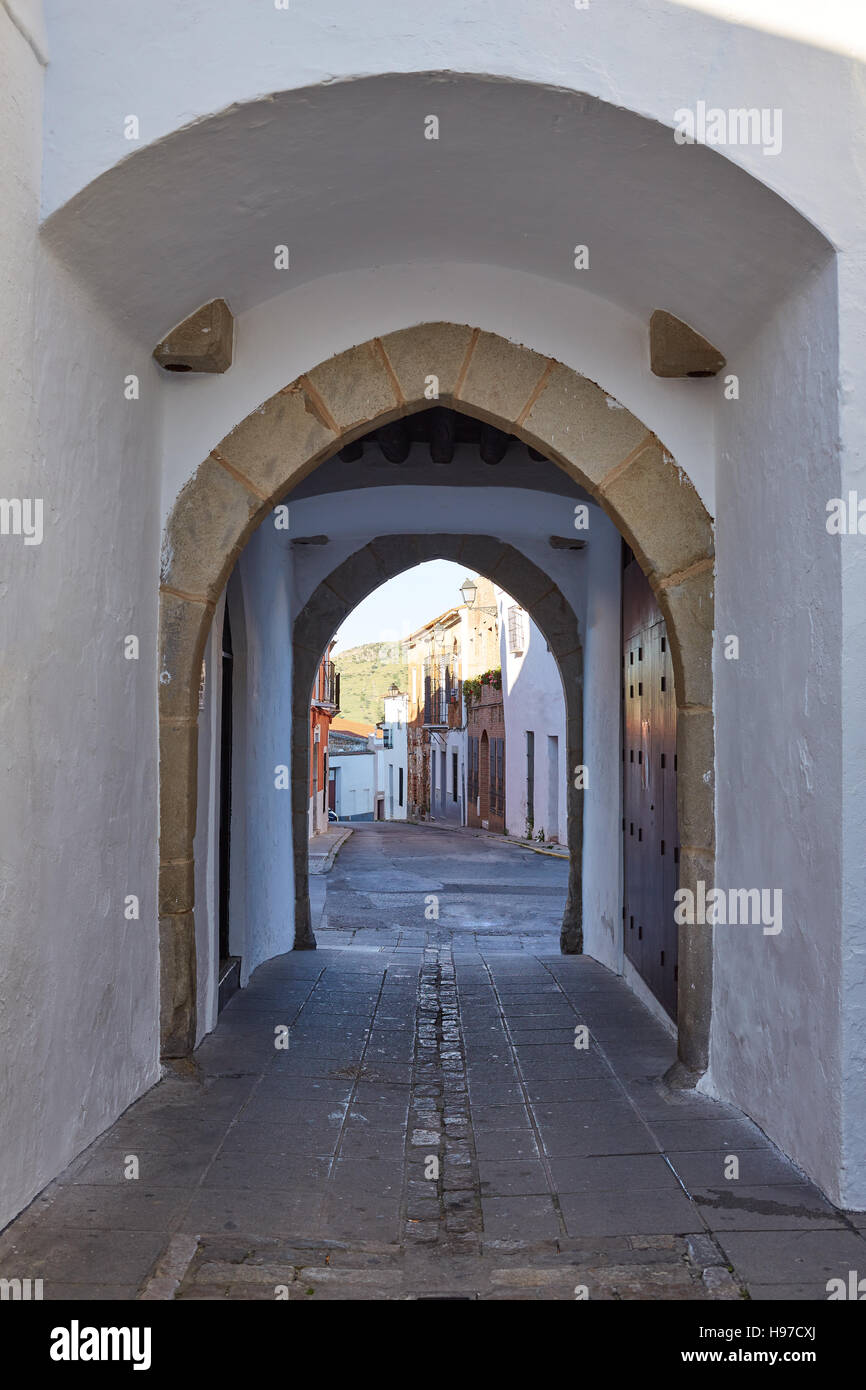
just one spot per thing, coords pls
(678, 350)
(201, 343)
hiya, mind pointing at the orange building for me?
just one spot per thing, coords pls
(324, 704)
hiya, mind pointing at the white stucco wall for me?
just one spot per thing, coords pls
(266, 712)
(602, 743)
(78, 819)
(206, 845)
(533, 700)
(172, 67)
(356, 784)
(776, 1020)
(396, 712)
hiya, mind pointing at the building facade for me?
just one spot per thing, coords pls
(324, 705)
(485, 753)
(435, 744)
(355, 787)
(395, 754)
(534, 714)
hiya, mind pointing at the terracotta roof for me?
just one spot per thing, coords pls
(354, 726)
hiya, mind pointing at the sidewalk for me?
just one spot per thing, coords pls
(306, 1173)
(325, 847)
(555, 851)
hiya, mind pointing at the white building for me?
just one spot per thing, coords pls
(395, 754)
(535, 746)
(356, 773)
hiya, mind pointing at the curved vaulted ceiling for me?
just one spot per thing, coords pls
(519, 176)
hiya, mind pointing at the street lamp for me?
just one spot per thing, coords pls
(469, 590)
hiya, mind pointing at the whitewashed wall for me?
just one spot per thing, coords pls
(267, 712)
(534, 701)
(78, 817)
(356, 785)
(396, 712)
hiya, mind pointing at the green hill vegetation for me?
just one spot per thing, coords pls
(366, 673)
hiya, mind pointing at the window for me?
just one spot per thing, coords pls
(515, 630)
(472, 771)
(497, 777)
(387, 737)
(530, 777)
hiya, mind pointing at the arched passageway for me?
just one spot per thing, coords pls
(358, 576)
(550, 407)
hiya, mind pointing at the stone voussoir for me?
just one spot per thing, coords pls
(556, 620)
(176, 887)
(483, 553)
(514, 572)
(429, 350)
(500, 380)
(211, 520)
(316, 623)
(279, 443)
(184, 625)
(696, 777)
(659, 512)
(361, 573)
(177, 965)
(689, 611)
(178, 769)
(357, 389)
(582, 428)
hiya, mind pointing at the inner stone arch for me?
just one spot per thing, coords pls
(362, 573)
(556, 411)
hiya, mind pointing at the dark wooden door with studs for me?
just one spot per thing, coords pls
(650, 836)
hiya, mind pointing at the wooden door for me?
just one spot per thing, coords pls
(484, 777)
(650, 835)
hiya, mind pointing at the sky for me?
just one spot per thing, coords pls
(403, 604)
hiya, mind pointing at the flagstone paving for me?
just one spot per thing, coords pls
(432, 1130)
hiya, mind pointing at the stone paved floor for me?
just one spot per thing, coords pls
(431, 1130)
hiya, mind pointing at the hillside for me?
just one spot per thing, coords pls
(366, 672)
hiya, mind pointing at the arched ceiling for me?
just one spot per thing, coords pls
(521, 174)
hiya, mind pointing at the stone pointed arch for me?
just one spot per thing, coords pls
(347, 586)
(574, 422)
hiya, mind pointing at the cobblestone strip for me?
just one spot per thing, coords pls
(443, 1195)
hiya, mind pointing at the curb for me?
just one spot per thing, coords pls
(487, 834)
(327, 860)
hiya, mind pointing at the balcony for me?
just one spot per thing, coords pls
(442, 704)
(327, 688)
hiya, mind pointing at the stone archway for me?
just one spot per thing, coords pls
(359, 575)
(547, 405)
